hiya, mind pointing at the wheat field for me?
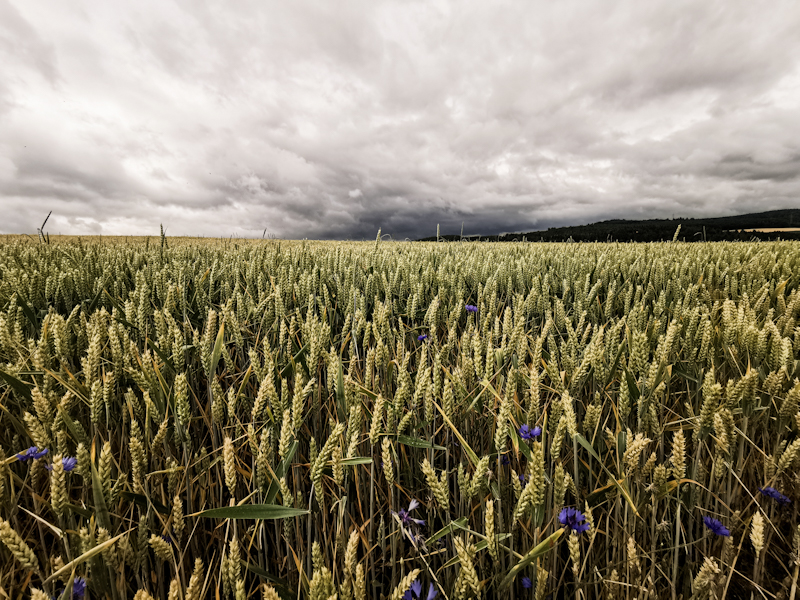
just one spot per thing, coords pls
(191, 419)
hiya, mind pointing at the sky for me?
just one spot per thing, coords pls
(330, 120)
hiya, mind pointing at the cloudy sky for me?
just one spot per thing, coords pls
(332, 119)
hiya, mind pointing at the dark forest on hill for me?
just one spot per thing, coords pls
(659, 230)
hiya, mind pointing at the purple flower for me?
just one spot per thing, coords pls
(405, 516)
(573, 519)
(32, 452)
(471, 308)
(522, 477)
(432, 592)
(69, 462)
(504, 460)
(416, 590)
(716, 527)
(774, 494)
(78, 587)
(526, 583)
(526, 433)
(422, 338)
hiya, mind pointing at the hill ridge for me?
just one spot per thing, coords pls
(728, 228)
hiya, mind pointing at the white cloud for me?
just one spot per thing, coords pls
(331, 120)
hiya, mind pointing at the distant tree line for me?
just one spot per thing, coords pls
(659, 230)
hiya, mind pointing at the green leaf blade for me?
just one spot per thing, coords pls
(253, 511)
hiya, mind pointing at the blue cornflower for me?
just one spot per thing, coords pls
(504, 460)
(78, 587)
(573, 519)
(716, 527)
(522, 477)
(69, 462)
(32, 452)
(471, 308)
(416, 590)
(526, 433)
(526, 583)
(774, 494)
(422, 338)
(405, 516)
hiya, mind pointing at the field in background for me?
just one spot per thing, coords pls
(238, 418)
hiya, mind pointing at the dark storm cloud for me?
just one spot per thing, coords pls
(332, 120)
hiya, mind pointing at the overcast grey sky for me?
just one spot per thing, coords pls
(332, 119)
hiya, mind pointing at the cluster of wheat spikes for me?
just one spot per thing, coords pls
(345, 420)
